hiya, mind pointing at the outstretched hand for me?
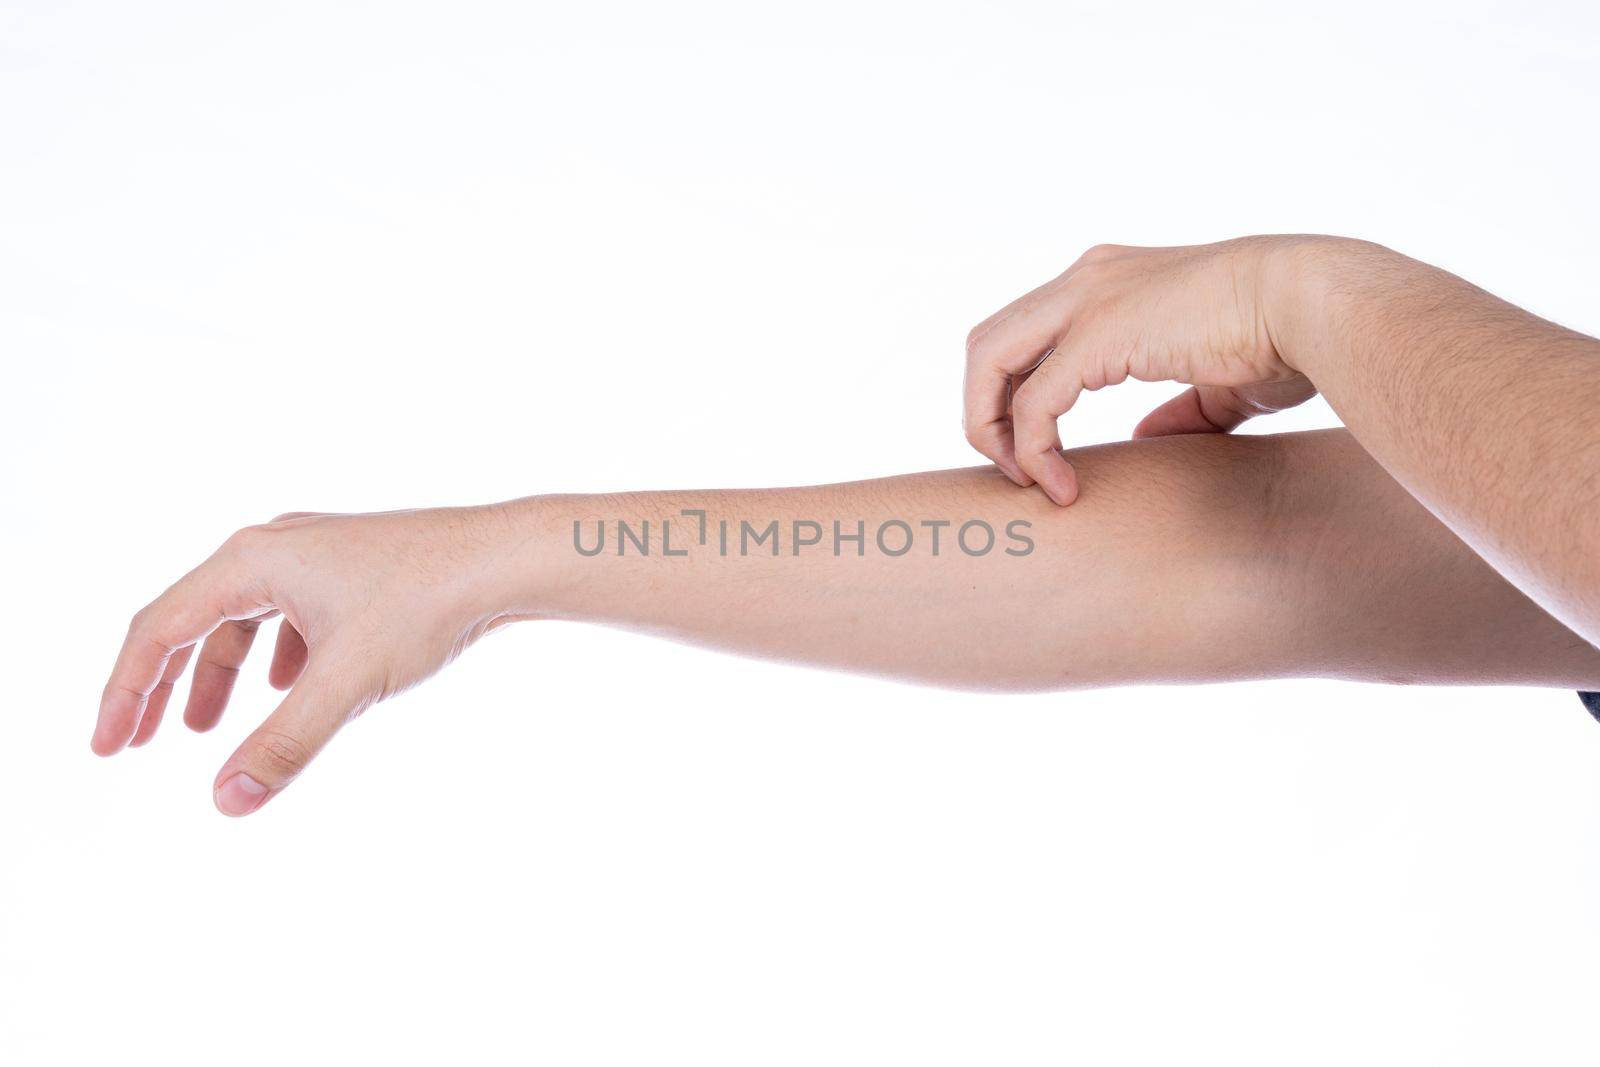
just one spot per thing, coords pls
(371, 604)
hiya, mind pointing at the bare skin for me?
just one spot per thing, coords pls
(1485, 413)
(1188, 559)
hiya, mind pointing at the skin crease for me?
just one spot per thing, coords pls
(1188, 559)
(1482, 411)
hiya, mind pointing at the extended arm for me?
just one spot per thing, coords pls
(1188, 559)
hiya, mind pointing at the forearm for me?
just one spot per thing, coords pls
(1190, 559)
(1487, 414)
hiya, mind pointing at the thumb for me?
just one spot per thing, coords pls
(281, 747)
(1203, 409)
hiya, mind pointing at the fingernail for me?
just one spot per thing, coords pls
(240, 795)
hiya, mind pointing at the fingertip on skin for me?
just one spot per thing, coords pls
(1057, 478)
(995, 443)
(1002, 452)
(1017, 475)
(1006, 460)
(1063, 496)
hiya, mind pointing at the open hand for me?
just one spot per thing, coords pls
(371, 605)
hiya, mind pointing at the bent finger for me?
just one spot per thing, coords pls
(995, 357)
(1048, 394)
(986, 421)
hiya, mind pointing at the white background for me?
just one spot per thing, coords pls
(262, 257)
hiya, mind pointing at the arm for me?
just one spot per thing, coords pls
(1487, 414)
(1190, 559)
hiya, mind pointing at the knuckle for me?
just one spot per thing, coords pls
(974, 343)
(281, 754)
(1030, 456)
(977, 436)
(1086, 277)
(1027, 405)
(145, 625)
(1099, 252)
(243, 539)
(250, 542)
(1034, 414)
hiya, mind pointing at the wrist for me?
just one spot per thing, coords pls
(1300, 275)
(518, 570)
